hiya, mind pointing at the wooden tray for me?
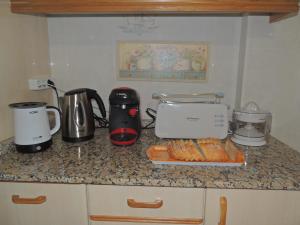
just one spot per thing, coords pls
(159, 155)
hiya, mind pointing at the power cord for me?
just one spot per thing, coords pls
(103, 123)
(51, 84)
(152, 114)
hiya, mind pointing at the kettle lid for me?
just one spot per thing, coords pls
(76, 91)
(27, 105)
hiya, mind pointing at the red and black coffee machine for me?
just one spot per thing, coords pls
(124, 116)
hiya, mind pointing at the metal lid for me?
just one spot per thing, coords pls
(27, 105)
(76, 91)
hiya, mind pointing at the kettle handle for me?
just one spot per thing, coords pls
(57, 118)
(92, 94)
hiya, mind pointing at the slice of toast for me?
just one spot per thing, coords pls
(209, 140)
(214, 152)
(184, 151)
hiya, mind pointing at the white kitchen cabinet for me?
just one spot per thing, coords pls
(67, 204)
(254, 207)
(42, 204)
(112, 205)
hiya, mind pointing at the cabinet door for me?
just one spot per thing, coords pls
(42, 204)
(254, 207)
(112, 205)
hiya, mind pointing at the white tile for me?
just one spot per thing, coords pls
(83, 51)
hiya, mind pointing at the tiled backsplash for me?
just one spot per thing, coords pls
(83, 52)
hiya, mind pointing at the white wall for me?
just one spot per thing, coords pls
(272, 74)
(23, 54)
(83, 53)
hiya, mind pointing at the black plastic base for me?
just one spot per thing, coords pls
(34, 148)
(74, 140)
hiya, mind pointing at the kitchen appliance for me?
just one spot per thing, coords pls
(191, 116)
(77, 114)
(124, 117)
(252, 125)
(31, 126)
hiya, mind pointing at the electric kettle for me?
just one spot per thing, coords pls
(77, 114)
(31, 126)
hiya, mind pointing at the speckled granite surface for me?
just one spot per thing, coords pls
(98, 162)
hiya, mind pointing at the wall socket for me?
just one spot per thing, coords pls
(36, 84)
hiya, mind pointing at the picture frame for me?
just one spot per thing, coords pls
(163, 61)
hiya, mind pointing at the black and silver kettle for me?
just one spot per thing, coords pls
(77, 114)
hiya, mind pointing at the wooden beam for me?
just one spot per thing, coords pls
(153, 6)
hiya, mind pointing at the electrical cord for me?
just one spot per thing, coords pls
(152, 114)
(103, 122)
(51, 84)
(61, 90)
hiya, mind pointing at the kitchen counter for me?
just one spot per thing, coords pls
(275, 167)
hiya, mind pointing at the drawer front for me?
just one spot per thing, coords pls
(149, 203)
(42, 204)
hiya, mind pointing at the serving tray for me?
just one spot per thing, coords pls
(160, 156)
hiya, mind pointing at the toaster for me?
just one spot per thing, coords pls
(178, 118)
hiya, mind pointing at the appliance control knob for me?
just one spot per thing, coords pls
(132, 112)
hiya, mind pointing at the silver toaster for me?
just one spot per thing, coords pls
(191, 116)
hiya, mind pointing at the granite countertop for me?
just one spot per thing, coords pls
(275, 167)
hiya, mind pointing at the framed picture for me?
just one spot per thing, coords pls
(163, 61)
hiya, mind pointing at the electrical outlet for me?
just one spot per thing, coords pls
(36, 84)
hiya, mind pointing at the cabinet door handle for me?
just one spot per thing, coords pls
(134, 219)
(223, 210)
(149, 205)
(38, 200)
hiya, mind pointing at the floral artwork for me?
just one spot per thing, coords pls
(163, 61)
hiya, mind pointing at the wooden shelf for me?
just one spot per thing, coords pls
(269, 7)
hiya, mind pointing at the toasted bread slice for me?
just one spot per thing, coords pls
(214, 152)
(193, 151)
(184, 150)
(209, 140)
(235, 155)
